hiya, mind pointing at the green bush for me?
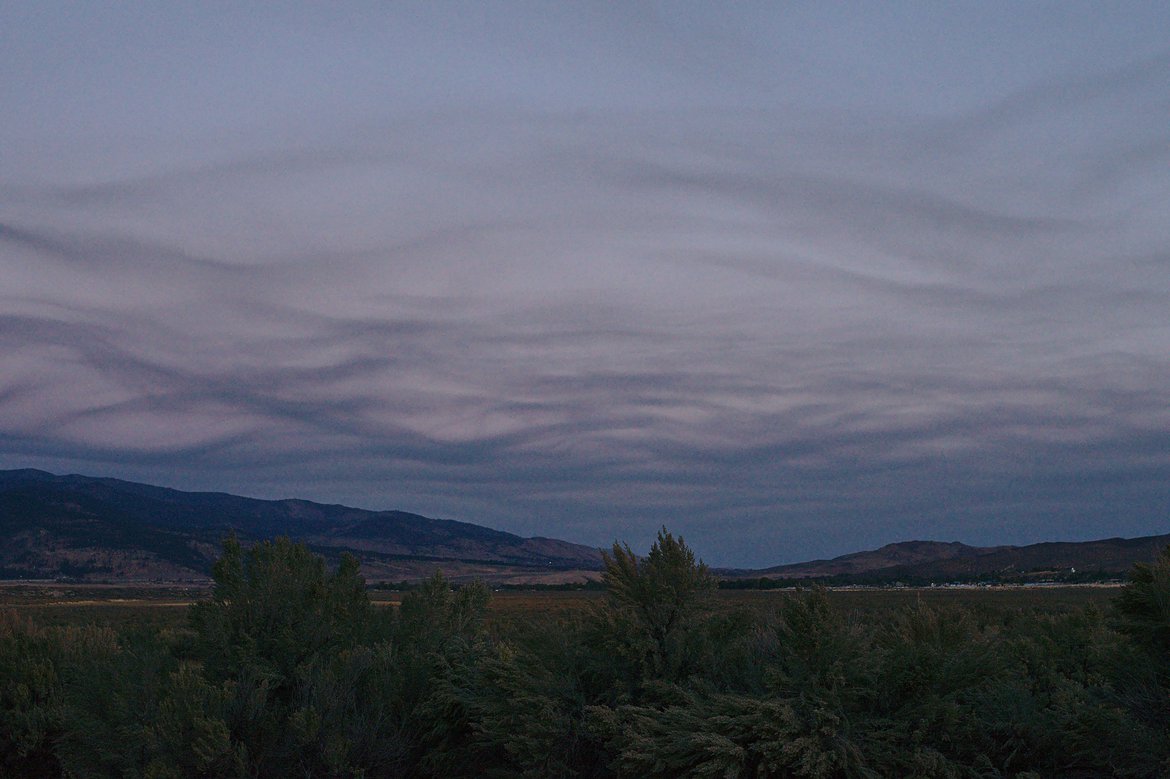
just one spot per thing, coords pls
(654, 602)
(36, 668)
(280, 637)
(1143, 608)
(289, 670)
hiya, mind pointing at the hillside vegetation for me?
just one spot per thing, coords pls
(96, 529)
(290, 670)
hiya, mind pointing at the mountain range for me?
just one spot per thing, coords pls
(920, 560)
(92, 528)
(101, 528)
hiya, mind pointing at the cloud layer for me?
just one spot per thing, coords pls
(784, 327)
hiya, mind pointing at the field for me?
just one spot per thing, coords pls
(158, 606)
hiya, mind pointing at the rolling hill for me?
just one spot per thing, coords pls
(934, 560)
(90, 528)
(87, 527)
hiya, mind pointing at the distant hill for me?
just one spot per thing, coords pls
(98, 528)
(906, 553)
(920, 560)
(107, 529)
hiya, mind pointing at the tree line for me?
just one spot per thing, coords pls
(290, 670)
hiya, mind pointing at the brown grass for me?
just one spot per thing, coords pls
(165, 606)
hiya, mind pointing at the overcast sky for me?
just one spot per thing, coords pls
(794, 279)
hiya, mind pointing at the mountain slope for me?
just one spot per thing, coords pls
(85, 526)
(905, 553)
(100, 528)
(937, 560)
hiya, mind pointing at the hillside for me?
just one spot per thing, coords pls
(99, 528)
(86, 527)
(919, 560)
(905, 553)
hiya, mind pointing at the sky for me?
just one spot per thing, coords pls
(792, 279)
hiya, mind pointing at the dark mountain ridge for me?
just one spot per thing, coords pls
(103, 528)
(917, 560)
(92, 526)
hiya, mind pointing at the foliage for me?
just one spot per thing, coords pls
(655, 600)
(1144, 606)
(275, 609)
(289, 670)
(1142, 613)
(35, 665)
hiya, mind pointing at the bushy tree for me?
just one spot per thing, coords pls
(289, 670)
(441, 646)
(523, 705)
(37, 666)
(655, 600)
(435, 616)
(1143, 607)
(275, 608)
(281, 632)
(1142, 612)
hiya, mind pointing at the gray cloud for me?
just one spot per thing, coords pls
(785, 326)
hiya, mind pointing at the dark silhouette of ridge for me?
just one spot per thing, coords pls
(100, 527)
(919, 560)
